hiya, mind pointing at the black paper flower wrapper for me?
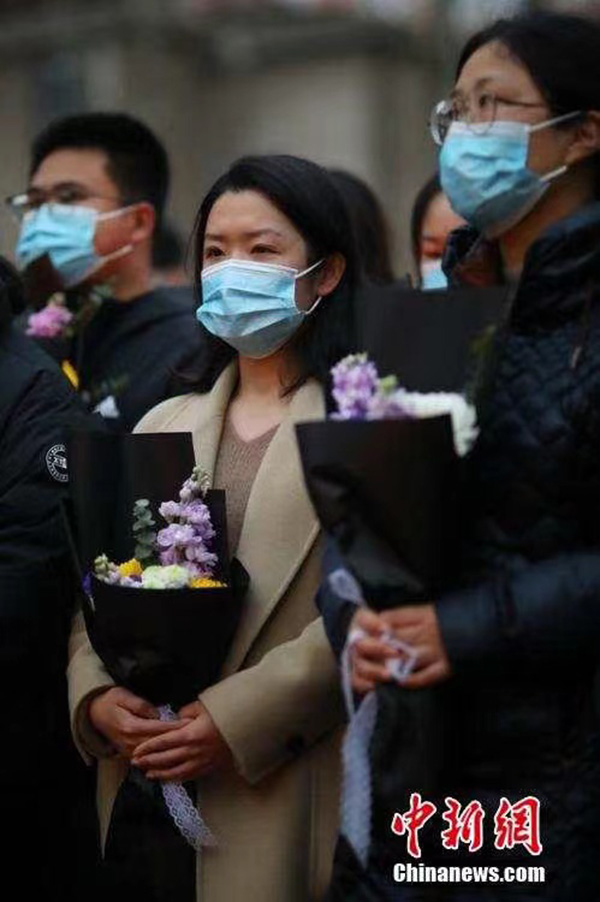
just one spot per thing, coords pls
(165, 645)
(386, 491)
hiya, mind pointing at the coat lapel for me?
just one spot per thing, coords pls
(206, 434)
(280, 525)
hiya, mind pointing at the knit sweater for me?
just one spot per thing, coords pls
(237, 465)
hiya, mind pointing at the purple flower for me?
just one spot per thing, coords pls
(361, 395)
(49, 322)
(197, 514)
(185, 541)
(189, 490)
(389, 407)
(169, 510)
(178, 534)
(170, 556)
(355, 382)
(199, 554)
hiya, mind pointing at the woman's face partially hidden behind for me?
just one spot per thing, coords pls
(439, 220)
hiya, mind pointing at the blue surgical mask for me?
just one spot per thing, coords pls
(252, 306)
(65, 233)
(432, 275)
(486, 177)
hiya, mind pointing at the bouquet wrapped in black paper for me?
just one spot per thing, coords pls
(161, 603)
(383, 473)
(163, 619)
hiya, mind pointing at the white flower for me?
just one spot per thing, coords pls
(433, 404)
(171, 577)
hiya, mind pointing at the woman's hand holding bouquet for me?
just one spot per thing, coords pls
(127, 720)
(192, 749)
(177, 556)
(161, 610)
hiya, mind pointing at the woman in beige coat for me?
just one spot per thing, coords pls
(276, 268)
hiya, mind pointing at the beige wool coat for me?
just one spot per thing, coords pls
(278, 704)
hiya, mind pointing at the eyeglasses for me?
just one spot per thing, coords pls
(69, 194)
(478, 119)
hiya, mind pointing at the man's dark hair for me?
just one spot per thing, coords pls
(137, 161)
(305, 193)
(561, 53)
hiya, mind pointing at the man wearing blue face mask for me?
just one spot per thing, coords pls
(97, 189)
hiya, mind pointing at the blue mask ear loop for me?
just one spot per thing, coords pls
(301, 275)
(550, 176)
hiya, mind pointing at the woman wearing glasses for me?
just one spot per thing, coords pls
(515, 648)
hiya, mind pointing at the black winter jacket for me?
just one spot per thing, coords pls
(42, 779)
(36, 590)
(522, 628)
(523, 634)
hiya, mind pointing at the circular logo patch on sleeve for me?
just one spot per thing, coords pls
(56, 461)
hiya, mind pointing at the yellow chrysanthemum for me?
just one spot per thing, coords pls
(131, 568)
(205, 583)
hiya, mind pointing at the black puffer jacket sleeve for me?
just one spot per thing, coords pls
(547, 615)
(37, 587)
(33, 477)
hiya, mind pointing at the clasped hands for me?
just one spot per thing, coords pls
(417, 626)
(179, 750)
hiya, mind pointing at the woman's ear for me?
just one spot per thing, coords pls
(586, 140)
(330, 274)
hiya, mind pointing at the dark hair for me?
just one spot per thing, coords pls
(561, 53)
(304, 192)
(137, 161)
(430, 189)
(371, 230)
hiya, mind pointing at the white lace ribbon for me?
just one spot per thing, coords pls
(184, 813)
(355, 817)
(356, 802)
